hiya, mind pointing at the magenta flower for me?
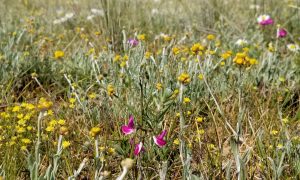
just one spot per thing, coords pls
(264, 20)
(129, 129)
(133, 42)
(159, 140)
(138, 148)
(281, 33)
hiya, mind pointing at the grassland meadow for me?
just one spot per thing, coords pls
(149, 89)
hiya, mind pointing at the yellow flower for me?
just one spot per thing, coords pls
(44, 104)
(211, 37)
(20, 130)
(175, 50)
(125, 57)
(20, 116)
(101, 148)
(16, 109)
(148, 54)
(279, 146)
(285, 120)
(29, 128)
(53, 122)
(141, 37)
(184, 78)
(26, 141)
(95, 131)
(211, 146)
(110, 90)
(59, 54)
(196, 48)
(274, 132)
(123, 64)
(111, 150)
(49, 129)
(23, 148)
(61, 122)
(226, 55)
(66, 144)
(72, 100)
(159, 86)
(92, 95)
(200, 76)
(117, 58)
(200, 131)
(199, 119)
(176, 141)
(188, 113)
(186, 100)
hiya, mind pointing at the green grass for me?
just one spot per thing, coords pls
(242, 121)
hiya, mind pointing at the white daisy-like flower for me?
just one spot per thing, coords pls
(293, 47)
(69, 15)
(241, 42)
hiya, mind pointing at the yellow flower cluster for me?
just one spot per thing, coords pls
(184, 78)
(197, 49)
(242, 58)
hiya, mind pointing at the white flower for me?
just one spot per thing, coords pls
(154, 11)
(293, 47)
(63, 19)
(241, 42)
(262, 18)
(69, 15)
(98, 12)
(90, 17)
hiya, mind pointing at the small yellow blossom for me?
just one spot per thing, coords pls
(95, 131)
(66, 144)
(159, 86)
(59, 54)
(186, 100)
(199, 119)
(211, 37)
(141, 37)
(274, 132)
(148, 54)
(176, 141)
(200, 76)
(26, 141)
(110, 90)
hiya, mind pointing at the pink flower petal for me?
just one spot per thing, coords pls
(127, 130)
(159, 142)
(138, 148)
(162, 135)
(131, 122)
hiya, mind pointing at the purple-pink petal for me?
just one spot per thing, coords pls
(127, 130)
(138, 148)
(267, 22)
(281, 33)
(131, 122)
(162, 134)
(133, 42)
(159, 142)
